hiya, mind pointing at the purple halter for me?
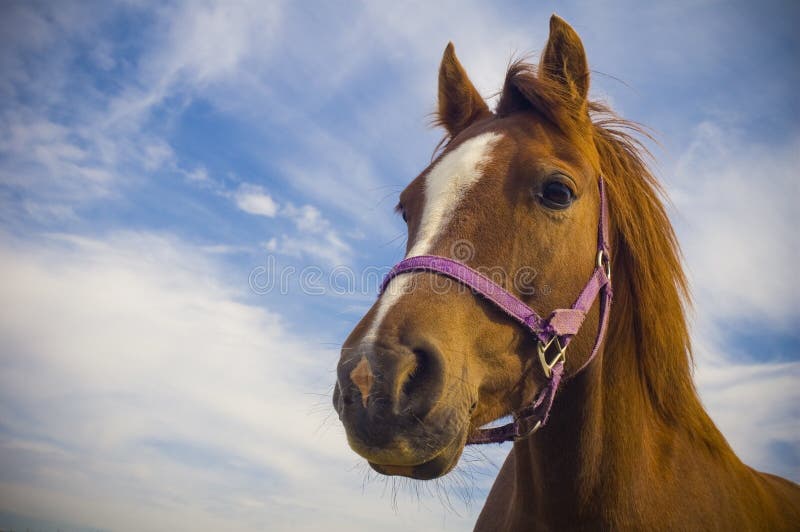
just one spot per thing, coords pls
(553, 334)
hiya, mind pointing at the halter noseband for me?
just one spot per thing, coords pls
(553, 334)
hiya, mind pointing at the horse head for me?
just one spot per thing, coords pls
(514, 195)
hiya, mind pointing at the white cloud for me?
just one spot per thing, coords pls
(139, 393)
(315, 239)
(73, 147)
(307, 218)
(198, 175)
(327, 247)
(755, 405)
(253, 199)
(737, 221)
(339, 177)
(46, 158)
(197, 45)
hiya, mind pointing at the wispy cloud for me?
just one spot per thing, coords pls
(181, 403)
(736, 216)
(136, 371)
(327, 247)
(252, 199)
(307, 218)
(64, 142)
(755, 405)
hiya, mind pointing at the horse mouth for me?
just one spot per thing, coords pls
(440, 464)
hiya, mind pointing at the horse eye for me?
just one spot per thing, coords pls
(556, 195)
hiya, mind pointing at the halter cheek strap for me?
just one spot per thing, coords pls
(553, 334)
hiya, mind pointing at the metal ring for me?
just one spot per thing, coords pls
(542, 348)
(604, 261)
(536, 427)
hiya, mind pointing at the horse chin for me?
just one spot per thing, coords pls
(441, 463)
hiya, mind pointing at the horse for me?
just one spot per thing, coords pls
(609, 433)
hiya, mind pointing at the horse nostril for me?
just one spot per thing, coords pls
(416, 379)
(422, 384)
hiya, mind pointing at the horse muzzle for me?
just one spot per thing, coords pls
(389, 398)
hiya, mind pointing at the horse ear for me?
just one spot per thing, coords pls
(460, 104)
(564, 60)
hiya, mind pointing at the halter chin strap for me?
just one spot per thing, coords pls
(553, 334)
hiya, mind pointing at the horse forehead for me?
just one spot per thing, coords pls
(446, 184)
(462, 166)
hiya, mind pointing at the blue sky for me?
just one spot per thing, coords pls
(153, 157)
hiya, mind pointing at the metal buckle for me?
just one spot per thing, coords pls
(529, 432)
(542, 348)
(604, 261)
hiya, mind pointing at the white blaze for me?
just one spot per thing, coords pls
(445, 186)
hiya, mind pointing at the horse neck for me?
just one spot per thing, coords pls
(589, 440)
(606, 448)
